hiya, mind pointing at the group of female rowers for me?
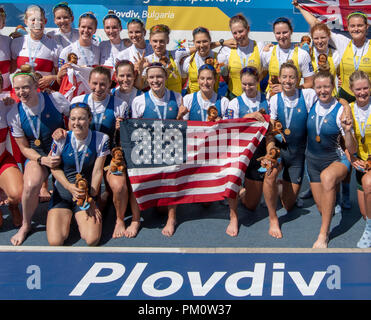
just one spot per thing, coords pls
(323, 109)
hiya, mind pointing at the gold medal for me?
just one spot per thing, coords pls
(287, 132)
(318, 138)
(363, 140)
(37, 142)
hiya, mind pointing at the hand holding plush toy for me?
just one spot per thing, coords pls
(270, 160)
(82, 184)
(277, 131)
(117, 165)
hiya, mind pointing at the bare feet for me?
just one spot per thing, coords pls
(44, 195)
(20, 236)
(232, 229)
(321, 242)
(16, 215)
(169, 228)
(132, 230)
(119, 229)
(274, 228)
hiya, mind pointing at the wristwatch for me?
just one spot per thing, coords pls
(221, 41)
(39, 160)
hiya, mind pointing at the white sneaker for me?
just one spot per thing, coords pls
(365, 241)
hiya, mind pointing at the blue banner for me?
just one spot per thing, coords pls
(184, 276)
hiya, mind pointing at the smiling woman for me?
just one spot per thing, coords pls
(35, 48)
(87, 51)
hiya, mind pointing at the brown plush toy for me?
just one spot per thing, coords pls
(273, 80)
(277, 129)
(212, 114)
(72, 58)
(214, 62)
(272, 157)
(117, 162)
(82, 184)
(323, 62)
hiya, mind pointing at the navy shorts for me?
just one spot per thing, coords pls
(62, 199)
(316, 166)
(293, 167)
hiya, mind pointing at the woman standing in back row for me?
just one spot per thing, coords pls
(355, 53)
(246, 54)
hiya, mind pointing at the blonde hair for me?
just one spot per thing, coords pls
(25, 70)
(358, 75)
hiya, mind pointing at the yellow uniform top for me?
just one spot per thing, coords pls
(348, 64)
(364, 149)
(235, 65)
(193, 76)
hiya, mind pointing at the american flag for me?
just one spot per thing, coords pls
(335, 12)
(175, 161)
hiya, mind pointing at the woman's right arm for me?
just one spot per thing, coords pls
(31, 154)
(59, 175)
(309, 18)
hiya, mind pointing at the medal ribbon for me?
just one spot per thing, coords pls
(88, 62)
(288, 115)
(157, 109)
(362, 129)
(356, 64)
(98, 118)
(35, 131)
(79, 164)
(32, 57)
(319, 123)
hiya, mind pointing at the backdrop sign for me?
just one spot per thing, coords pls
(184, 276)
(182, 16)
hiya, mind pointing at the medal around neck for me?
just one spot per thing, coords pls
(37, 142)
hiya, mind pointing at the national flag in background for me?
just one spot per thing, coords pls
(75, 82)
(175, 161)
(336, 11)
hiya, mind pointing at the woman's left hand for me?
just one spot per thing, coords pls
(255, 115)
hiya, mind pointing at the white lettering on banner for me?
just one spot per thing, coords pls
(34, 280)
(153, 286)
(334, 280)
(149, 289)
(157, 15)
(126, 14)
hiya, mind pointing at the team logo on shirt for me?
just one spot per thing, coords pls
(105, 146)
(310, 67)
(366, 60)
(60, 62)
(54, 148)
(229, 113)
